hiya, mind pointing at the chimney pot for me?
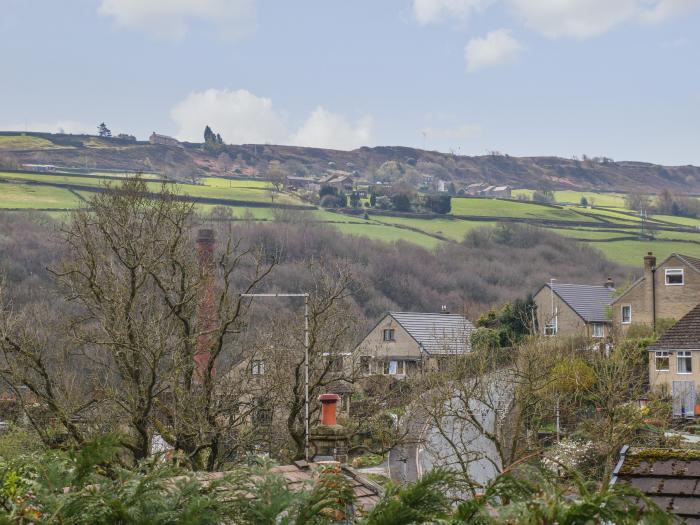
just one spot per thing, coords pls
(649, 261)
(444, 309)
(328, 403)
(610, 283)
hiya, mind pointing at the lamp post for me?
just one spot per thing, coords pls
(306, 357)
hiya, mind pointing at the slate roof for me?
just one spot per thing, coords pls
(669, 477)
(588, 301)
(437, 333)
(692, 261)
(684, 335)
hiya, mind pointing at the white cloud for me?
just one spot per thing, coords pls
(324, 129)
(497, 47)
(61, 126)
(170, 18)
(239, 116)
(588, 18)
(242, 117)
(429, 11)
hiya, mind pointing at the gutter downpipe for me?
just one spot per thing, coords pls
(653, 297)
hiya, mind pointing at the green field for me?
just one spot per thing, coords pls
(24, 196)
(609, 229)
(612, 200)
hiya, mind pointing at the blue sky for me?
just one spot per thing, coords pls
(618, 78)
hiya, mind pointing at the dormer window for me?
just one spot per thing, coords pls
(674, 276)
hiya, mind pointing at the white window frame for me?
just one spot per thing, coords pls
(393, 335)
(399, 369)
(661, 355)
(622, 314)
(674, 271)
(684, 354)
(257, 367)
(594, 326)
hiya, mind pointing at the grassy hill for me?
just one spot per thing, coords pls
(614, 231)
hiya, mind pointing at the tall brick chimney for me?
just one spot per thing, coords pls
(205, 302)
(650, 285)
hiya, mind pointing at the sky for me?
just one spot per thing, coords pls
(614, 78)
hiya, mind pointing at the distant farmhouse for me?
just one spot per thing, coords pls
(481, 189)
(307, 183)
(341, 180)
(404, 344)
(665, 291)
(163, 140)
(674, 364)
(575, 309)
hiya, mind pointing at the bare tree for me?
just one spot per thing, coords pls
(147, 326)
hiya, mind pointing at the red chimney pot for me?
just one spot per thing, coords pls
(328, 402)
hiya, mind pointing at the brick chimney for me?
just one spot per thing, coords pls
(610, 283)
(649, 262)
(650, 285)
(205, 302)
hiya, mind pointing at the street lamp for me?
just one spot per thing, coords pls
(306, 357)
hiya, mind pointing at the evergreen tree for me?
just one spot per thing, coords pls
(104, 131)
(209, 137)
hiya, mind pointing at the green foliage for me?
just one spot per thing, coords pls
(584, 202)
(423, 501)
(485, 339)
(532, 497)
(441, 204)
(104, 131)
(401, 201)
(513, 322)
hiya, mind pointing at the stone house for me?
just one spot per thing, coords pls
(668, 290)
(340, 180)
(574, 309)
(674, 364)
(403, 344)
(163, 140)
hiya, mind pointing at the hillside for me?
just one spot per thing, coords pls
(192, 160)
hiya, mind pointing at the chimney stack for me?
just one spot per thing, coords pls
(444, 309)
(649, 262)
(205, 302)
(328, 406)
(610, 283)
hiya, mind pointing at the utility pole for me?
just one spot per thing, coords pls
(306, 357)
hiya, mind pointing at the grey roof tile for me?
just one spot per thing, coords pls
(588, 301)
(684, 335)
(437, 333)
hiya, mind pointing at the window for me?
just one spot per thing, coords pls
(550, 328)
(674, 276)
(598, 330)
(335, 363)
(393, 368)
(261, 415)
(257, 367)
(365, 365)
(685, 363)
(662, 363)
(389, 334)
(626, 314)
